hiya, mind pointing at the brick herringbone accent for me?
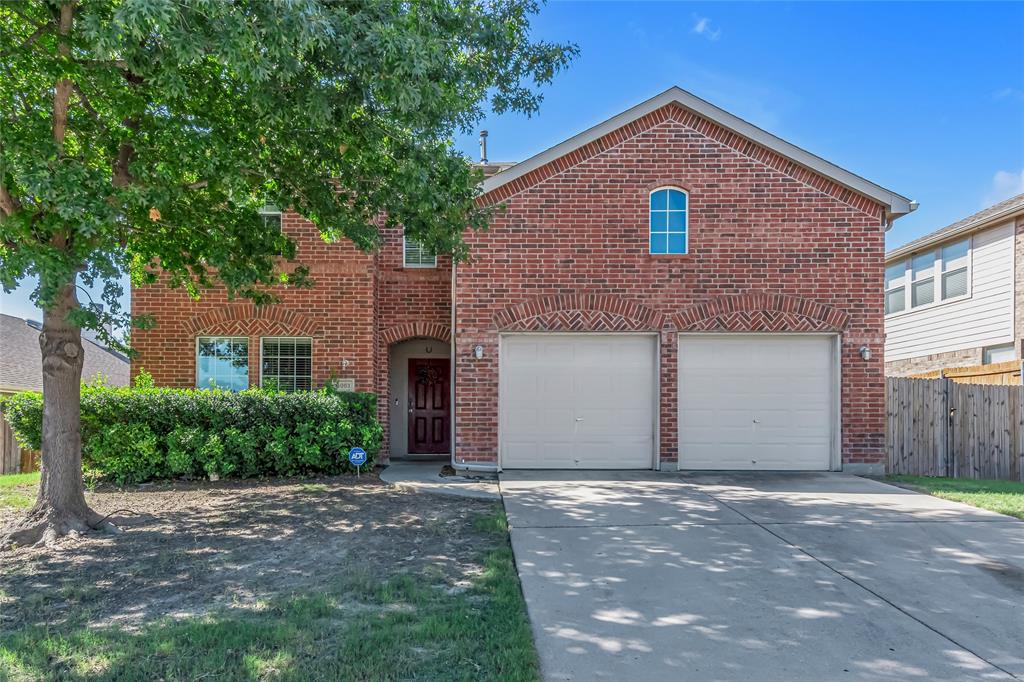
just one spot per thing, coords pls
(578, 312)
(246, 318)
(760, 312)
(416, 330)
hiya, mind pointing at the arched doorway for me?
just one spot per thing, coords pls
(419, 398)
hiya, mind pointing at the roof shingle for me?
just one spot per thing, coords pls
(21, 365)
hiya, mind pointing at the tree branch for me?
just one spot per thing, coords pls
(62, 90)
(8, 204)
(116, 63)
(125, 153)
(87, 105)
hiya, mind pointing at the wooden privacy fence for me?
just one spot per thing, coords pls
(1000, 373)
(13, 457)
(939, 427)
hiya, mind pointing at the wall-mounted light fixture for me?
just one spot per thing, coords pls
(478, 352)
(865, 353)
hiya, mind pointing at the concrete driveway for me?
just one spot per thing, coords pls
(648, 576)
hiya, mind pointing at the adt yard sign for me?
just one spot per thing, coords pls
(357, 456)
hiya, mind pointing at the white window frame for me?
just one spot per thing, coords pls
(195, 354)
(907, 281)
(686, 221)
(405, 253)
(289, 338)
(986, 352)
(270, 210)
(901, 283)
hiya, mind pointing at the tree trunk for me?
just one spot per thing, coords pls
(60, 508)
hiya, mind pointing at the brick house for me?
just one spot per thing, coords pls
(671, 288)
(955, 297)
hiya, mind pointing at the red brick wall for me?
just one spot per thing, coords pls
(773, 247)
(411, 303)
(359, 306)
(337, 313)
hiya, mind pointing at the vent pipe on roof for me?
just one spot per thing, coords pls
(483, 147)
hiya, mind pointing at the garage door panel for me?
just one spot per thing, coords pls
(577, 401)
(755, 402)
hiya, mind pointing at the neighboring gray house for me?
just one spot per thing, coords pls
(21, 369)
(955, 297)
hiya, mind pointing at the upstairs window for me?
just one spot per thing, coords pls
(895, 291)
(931, 277)
(954, 270)
(417, 255)
(222, 362)
(271, 217)
(668, 221)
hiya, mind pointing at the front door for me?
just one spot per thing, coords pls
(429, 406)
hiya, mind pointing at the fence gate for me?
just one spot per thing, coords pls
(938, 427)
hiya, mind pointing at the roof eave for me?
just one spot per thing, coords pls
(895, 204)
(969, 228)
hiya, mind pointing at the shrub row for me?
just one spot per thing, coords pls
(132, 435)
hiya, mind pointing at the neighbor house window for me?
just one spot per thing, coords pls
(287, 363)
(1002, 353)
(668, 220)
(895, 289)
(954, 270)
(932, 277)
(222, 362)
(922, 276)
(417, 255)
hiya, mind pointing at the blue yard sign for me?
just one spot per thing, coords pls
(357, 456)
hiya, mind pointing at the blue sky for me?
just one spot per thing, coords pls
(926, 99)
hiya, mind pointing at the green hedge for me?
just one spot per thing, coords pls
(142, 434)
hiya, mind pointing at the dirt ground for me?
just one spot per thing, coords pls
(190, 548)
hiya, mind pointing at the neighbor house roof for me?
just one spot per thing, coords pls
(895, 204)
(996, 213)
(21, 365)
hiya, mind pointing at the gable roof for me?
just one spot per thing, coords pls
(972, 223)
(895, 204)
(21, 364)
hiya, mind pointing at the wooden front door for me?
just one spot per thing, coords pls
(429, 406)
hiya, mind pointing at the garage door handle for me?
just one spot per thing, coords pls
(757, 421)
(579, 419)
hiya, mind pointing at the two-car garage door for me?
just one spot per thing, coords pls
(589, 401)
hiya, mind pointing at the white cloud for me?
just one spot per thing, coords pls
(1005, 184)
(1012, 94)
(702, 26)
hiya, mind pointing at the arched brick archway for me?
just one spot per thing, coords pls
(416, 330)
(389, 343)
(244, 319)
(578, 312)
(760, 312)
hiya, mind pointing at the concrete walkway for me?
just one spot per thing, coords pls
(426, 477)
(648, 576)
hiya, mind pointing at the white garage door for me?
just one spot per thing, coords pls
(577, 401)
(756, 402)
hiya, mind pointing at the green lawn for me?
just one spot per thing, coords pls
(1005, 497)
(18, 490)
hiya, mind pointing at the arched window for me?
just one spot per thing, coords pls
(668, 220)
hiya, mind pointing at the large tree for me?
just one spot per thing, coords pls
(139, 136)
